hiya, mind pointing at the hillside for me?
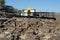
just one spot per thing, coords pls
(31, 29)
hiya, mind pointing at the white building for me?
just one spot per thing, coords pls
(28, 12)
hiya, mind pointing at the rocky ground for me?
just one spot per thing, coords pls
(30, 29)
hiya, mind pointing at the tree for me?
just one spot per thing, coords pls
(2, 1)
(19, 11)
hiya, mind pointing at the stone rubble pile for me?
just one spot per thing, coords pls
(30, 29)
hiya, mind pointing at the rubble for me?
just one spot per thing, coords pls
(29, 29)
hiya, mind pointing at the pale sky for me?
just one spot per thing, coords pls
(39, 5)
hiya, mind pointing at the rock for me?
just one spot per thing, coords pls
(30, 29)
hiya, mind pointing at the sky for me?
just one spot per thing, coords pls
(39, 5)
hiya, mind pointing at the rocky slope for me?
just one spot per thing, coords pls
(30, 29)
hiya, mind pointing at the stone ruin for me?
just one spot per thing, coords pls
(26, 28)
(29, 29)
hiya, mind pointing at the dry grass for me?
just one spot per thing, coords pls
(57, 15)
